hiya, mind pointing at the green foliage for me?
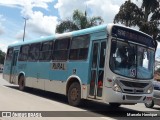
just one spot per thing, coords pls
(79, 21)
(147, 18)
(127, 14)
(2, 57)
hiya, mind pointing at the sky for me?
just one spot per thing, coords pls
(42, 16)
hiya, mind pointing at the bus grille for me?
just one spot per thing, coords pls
(139, 91)
(134, 84)
(128, 97)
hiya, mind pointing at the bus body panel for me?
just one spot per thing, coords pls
(6, 71)
(10, 70)
(55, 75)
(124, 98)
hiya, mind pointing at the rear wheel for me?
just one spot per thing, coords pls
(74, 94)
(150, 104)
(21, 83)
(114, 104)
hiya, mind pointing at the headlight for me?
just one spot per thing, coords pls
(150, 89)
(116, 87)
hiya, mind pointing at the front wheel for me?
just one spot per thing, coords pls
(115, 105)
(74, 94)
(150, 104)
(21, 83)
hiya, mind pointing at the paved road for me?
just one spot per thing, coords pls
(11, 99)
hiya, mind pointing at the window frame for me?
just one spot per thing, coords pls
(29, 52)
(9, 56)
(79, 49)
(21, 52)
(49, 50)
(55, 56)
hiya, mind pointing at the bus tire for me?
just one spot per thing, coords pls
(21, 83)
(114, 105)
(74, 94)
(149, 105)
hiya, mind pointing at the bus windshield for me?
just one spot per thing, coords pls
(131, 60)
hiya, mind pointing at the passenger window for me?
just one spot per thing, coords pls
(23, 56)
(34, 52)
(61, 49)
(102, 54)
(46, 51)
(9, 54)
(79, 48)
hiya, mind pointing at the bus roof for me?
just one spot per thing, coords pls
(110, 25)
(58, 36)
(103, 27)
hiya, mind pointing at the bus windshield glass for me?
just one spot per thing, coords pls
(131, 60)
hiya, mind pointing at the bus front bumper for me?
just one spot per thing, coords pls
(124, 98)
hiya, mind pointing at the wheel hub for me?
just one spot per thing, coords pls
(74, 94)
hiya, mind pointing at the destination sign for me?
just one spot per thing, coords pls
(132, 35)
(59, 66)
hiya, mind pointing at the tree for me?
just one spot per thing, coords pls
(127, 14)
(146, 18)
(2, 57)
(79, 21)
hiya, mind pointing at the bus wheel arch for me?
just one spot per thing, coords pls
(21, 81)
(150, 105)
(73, 91)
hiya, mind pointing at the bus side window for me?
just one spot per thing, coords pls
(23, 55)
(113, 55)
(46, 51)
(9, 54)
(34, 52)
(61, 48)
(79, 48)
(102, 54)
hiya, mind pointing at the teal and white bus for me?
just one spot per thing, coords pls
(107, 63)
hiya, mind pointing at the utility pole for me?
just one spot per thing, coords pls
(24, 28)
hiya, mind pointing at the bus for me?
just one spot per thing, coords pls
(108, 63)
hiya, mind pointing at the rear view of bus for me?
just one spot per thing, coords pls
(129, 73)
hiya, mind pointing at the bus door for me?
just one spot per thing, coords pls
(97, 69)
(14, 67)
